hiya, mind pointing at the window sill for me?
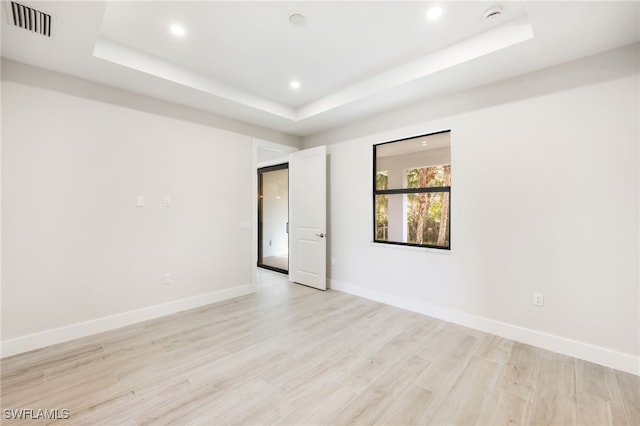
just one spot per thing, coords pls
(410, 248)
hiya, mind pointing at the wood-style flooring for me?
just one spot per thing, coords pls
(292, 355)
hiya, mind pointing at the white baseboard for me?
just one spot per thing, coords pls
(596, 354)
(74, 331)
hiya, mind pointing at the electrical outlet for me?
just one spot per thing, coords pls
(167, 201)
(538, 299)
(167, 278)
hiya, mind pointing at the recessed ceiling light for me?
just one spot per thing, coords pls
(178, 30)
(434, 13)
(424, 143)
(295, 84)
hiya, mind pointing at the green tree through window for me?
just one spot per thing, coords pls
(382, 207)
(427, 212)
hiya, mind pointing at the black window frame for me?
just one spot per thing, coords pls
(402, 191)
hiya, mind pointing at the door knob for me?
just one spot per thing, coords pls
(321, 235)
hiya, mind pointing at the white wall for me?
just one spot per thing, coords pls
(78, 255)
(544, 199)
(267, 155)
(38, 77)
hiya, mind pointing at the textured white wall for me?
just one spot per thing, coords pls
(76, 247)
(544, 199)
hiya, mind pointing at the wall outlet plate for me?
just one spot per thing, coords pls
(538, 299)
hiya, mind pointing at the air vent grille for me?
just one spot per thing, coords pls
(31, 19)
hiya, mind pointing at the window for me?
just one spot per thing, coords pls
(412, 188)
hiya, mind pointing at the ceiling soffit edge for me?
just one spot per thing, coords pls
(501, 37)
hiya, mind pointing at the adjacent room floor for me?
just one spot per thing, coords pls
(280, 262)
(297, 356)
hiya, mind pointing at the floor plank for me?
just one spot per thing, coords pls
(554, 399)
(630, 394)
(597, 395)
(470, 394)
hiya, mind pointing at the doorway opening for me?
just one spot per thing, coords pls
(273, 218)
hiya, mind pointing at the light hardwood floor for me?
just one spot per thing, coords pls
(295, 356)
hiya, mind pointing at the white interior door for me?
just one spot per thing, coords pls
(308, 217)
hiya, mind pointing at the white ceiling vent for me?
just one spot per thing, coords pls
(30, 19)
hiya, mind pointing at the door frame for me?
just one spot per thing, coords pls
(260, 171)
(285, 150)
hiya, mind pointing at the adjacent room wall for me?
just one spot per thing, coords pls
(78, 255)
(275, 213)
(545, 190)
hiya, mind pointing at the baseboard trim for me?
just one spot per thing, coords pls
(596, 354)
(74, 331)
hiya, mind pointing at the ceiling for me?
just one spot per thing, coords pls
(352, 59)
